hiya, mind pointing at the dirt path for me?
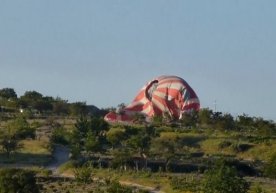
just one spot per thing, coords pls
(139, 186)
(61, 155)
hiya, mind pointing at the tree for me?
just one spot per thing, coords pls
(82, 125)
(60, 136)
(115, 136)
(32, 95)
(120, 108)
(20, 128)
(78, 109)
(36, 101)
(121, 157)
(91, 142)
(60, 107)
(140, 144)
(157, 120)
(8, 93)
(17, 180)
(244, 122)
(189, 119)
(166, 146)
(205, 117)
(225, 122)
(76, 144)
(98, 126)
(223, 179)
(9, 144)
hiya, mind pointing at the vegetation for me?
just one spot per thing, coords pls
(17, 180)
(270, 167)
(32, 125)
(223, 179)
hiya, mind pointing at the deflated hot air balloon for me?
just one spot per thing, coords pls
(163, 95)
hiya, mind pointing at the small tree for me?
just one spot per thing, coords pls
(91, 142)
(121, 158)
(115, 136)
(9, 145)
(20, 128)
(83, 174)
(167, 147)
(17, 180)
(223, 179)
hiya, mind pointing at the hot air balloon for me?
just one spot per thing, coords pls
(163, 95)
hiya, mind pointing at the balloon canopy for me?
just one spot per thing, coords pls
(169, 95)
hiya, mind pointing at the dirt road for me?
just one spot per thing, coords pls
(60, 155)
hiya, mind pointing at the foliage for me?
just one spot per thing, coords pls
(189, 120)
(115, 136)
(17, 181)
(83, 174)
(60, 107)
(116, 187)
(20, 128)
(223, 179)
(91, 143)
(8, 93)
(89, 135)
(166, 146)
(78, 108)
(258, 189)
(186, 183)
(75, 144)
(60, 136)
(270, 168)
(9, 144)
(121, 158)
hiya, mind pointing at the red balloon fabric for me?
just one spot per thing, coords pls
(163, 95)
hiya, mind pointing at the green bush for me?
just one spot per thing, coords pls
(185, 183)
(270, 167)
(17, 181)
(68, 165)
(116, 187)
(60, 136)
(83, 174)
(258, 189)
(223, 179)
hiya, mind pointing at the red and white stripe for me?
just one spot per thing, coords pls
(164, 94)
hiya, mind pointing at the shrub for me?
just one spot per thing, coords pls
(116, 187)
(83, 174)
(186, 184)
(68, 165)
(270, 167)
(258, 189)
(60, 136)
(223, 179)
(17, 181)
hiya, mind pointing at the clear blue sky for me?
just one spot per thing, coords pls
(104, 51)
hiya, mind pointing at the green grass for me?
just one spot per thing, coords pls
(33, 152)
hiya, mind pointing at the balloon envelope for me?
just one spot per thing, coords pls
(163, 95)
